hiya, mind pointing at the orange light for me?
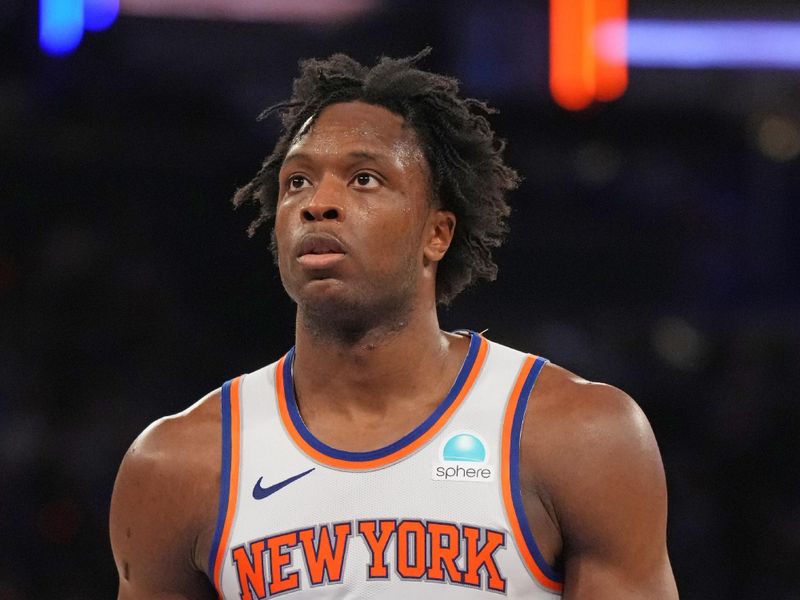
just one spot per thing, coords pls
(578, 75)
(612, 77)
(568, 67)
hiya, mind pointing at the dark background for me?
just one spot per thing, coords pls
(654, 246)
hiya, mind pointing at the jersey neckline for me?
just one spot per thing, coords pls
(380, 457)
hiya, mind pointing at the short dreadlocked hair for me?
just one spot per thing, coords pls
(469, 177)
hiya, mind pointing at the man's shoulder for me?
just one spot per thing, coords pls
(165, 497)
(569, 403)
(176, 450)
(566, 410)
(575, 426)
(181, 440)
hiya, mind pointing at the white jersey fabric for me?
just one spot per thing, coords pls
(438, 513)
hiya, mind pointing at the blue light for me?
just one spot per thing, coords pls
(708, 44)
(60, 25)
(99, 14)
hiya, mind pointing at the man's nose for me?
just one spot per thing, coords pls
(326, 203)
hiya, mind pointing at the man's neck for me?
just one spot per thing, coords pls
(385, 367)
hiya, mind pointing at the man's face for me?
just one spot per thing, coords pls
(354, 213)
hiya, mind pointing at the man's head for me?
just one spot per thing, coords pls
(462, 156)
(356, 233)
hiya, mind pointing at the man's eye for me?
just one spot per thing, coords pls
(366, 180)
(297, 182)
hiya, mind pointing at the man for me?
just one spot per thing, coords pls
(382, 457)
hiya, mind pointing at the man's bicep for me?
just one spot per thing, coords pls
(149, 537)
(613, 512)
(597, 578)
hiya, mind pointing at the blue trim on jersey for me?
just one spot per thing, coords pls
(297, 420)
(225, 479)
(516, 489)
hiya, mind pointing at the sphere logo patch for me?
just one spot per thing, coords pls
(463, 457)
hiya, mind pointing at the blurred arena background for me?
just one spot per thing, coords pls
(654, 245)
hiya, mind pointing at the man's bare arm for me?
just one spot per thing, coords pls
(598, 460)
(163, 507)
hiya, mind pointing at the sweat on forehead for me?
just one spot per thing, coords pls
(356, 110)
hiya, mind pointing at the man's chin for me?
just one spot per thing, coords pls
(330, 310)
(319, 293)
(326, 298)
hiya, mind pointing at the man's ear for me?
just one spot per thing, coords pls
(440, 229)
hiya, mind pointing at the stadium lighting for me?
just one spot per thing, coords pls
(60, 25)
(62, 22)
(703, 44)
(579, 74)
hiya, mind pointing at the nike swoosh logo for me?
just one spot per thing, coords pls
(259, 493)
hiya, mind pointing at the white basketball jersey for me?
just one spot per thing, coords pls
(438, 513)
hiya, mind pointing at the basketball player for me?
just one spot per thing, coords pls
(382, 457)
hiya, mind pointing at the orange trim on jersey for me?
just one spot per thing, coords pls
(511, 513)
(234, 482)
(402, 452)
